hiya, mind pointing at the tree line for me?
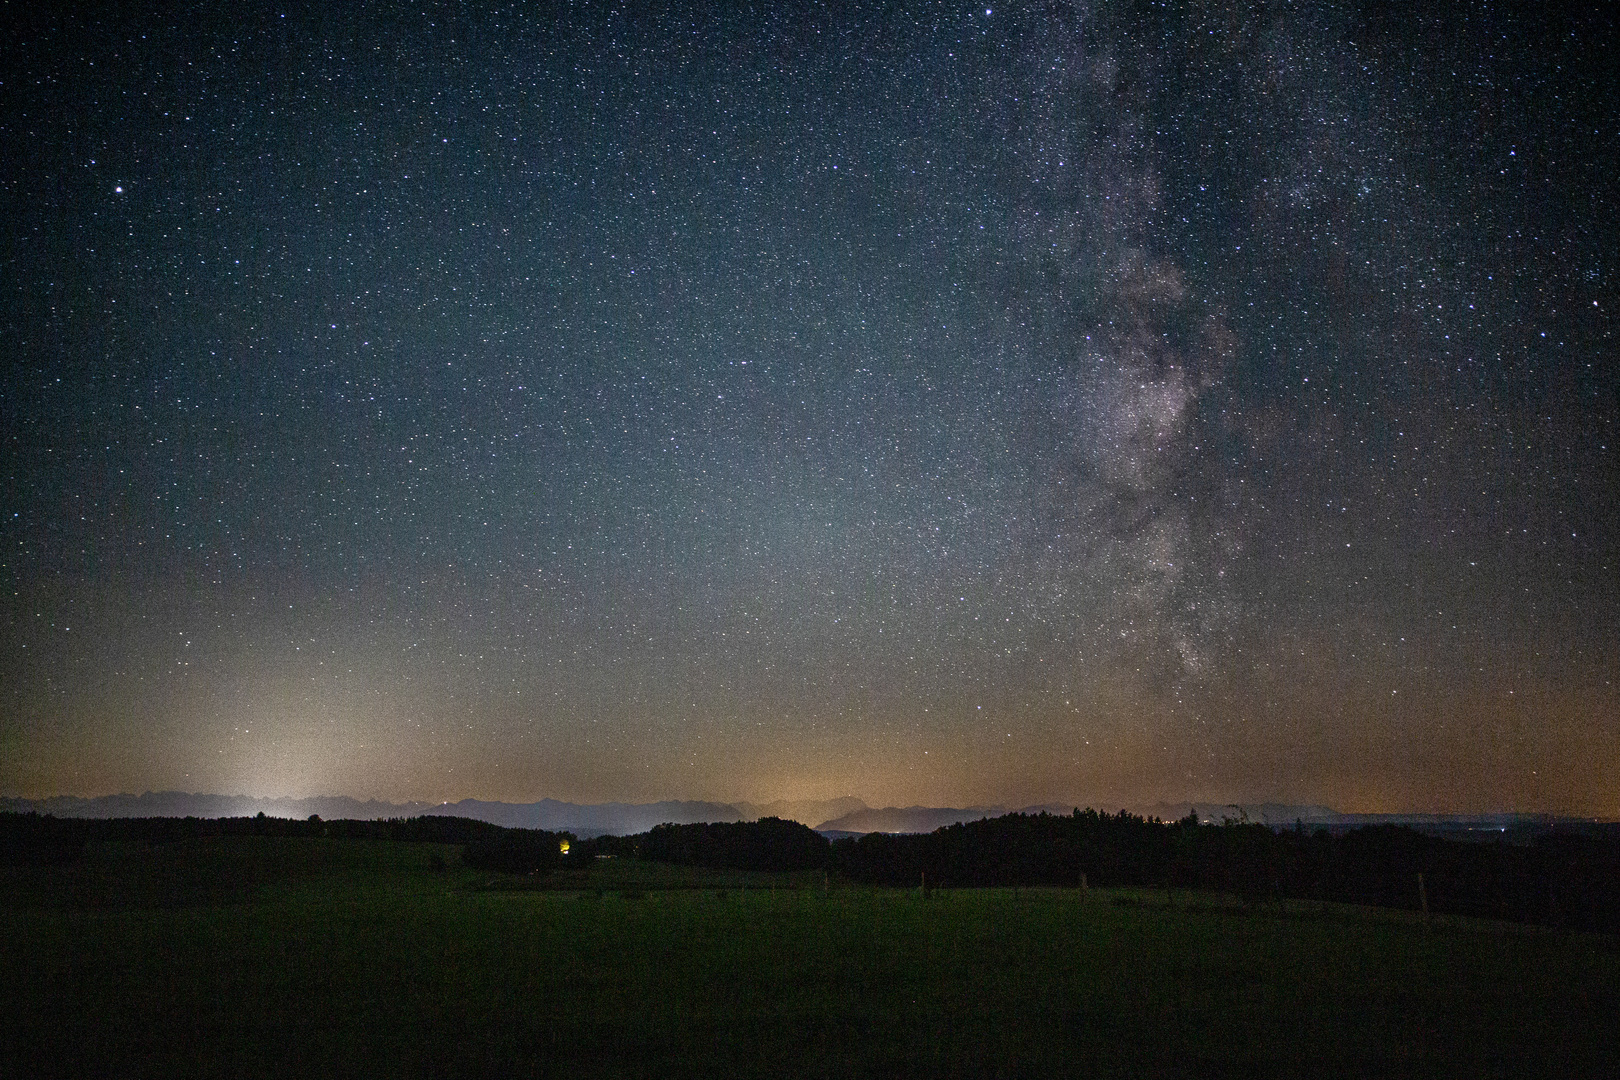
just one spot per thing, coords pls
(1561, 879)
(1570, 880)
(1565, 880)
(42, 840)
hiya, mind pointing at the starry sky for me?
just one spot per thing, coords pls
(932, 403)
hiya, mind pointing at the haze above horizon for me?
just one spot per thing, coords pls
(961, 406)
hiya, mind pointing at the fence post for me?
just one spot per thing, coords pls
(1423, 899)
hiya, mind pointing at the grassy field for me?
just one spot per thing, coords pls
(260, 956)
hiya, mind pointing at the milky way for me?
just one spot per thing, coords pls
(1044, 403)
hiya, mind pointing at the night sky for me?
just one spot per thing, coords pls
(935, 404)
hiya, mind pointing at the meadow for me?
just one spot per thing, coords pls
(274, 956)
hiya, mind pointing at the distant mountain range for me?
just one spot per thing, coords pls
(184, 804)
(598, 819)
(845, 816)
(811, 812)
(912, 819)
(921, 819)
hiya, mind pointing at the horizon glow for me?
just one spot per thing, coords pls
(1107, 406)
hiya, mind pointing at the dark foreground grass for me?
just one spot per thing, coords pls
(266, 957)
